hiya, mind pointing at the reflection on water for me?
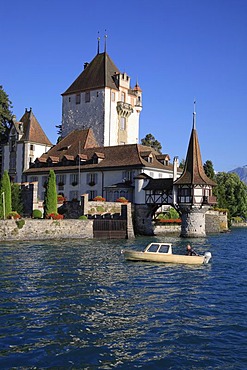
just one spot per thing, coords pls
(80, 305)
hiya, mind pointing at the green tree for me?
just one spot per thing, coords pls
(182, 163)
(6, 115)
(150, 140)
(231, 193)
(17, 204)
(209, 170)
(5, 196)
(50, 200)
(59, 132)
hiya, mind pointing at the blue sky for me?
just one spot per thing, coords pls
(178, 50)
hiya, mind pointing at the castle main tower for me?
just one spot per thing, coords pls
(101, 98)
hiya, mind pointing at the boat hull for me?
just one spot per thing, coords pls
(164, 258)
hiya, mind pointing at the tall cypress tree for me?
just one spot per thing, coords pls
(50, 201)
(5, 196)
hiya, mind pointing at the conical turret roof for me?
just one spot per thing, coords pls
(193, 173)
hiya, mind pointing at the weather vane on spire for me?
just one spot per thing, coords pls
(105, 40)
(98, 38)
(194, 115)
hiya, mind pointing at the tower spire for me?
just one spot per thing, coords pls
(105, 40)
(194, 115)
(98, 38)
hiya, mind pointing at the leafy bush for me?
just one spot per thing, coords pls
(20, 223)
(13, 215)
(37, 213)
(83, 217)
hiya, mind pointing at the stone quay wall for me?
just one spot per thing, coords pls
(45, 229)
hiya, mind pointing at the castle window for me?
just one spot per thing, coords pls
(127, 176)
(61, 179)
(91, 194)
(92, 179)
(113, 97)
(87, 97)
(122, 123)
(32, 147)
(69, 99)
(78, 98)
(122, 96)
(74, 179)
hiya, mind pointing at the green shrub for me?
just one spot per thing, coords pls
(83, 217)
(37, 213)
(20, 223)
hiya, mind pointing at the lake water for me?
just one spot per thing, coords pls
(80, 305)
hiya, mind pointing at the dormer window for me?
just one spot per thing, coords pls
(98, 157)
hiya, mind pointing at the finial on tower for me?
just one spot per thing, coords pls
(105, 40)
(194, 115)
(98, 38)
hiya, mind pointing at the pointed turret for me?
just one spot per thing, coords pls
(193, 190)
(193, 173)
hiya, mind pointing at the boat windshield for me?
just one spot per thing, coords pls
(164, 248)
(153, 248)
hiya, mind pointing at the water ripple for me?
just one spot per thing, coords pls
(81, 306)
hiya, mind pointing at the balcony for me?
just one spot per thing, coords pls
(124, 109)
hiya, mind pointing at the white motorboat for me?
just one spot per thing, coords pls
(162, 252)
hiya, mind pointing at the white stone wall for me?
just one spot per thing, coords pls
(101, 115)
(84, 115)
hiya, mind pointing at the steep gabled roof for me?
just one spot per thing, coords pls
(99, 73)
(73, 143)
(193, 172)
(32, 130)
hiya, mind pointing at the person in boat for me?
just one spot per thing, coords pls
(190, 251)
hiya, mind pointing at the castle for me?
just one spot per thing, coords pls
(99, 154)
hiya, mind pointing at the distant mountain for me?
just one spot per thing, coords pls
(241, 172)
